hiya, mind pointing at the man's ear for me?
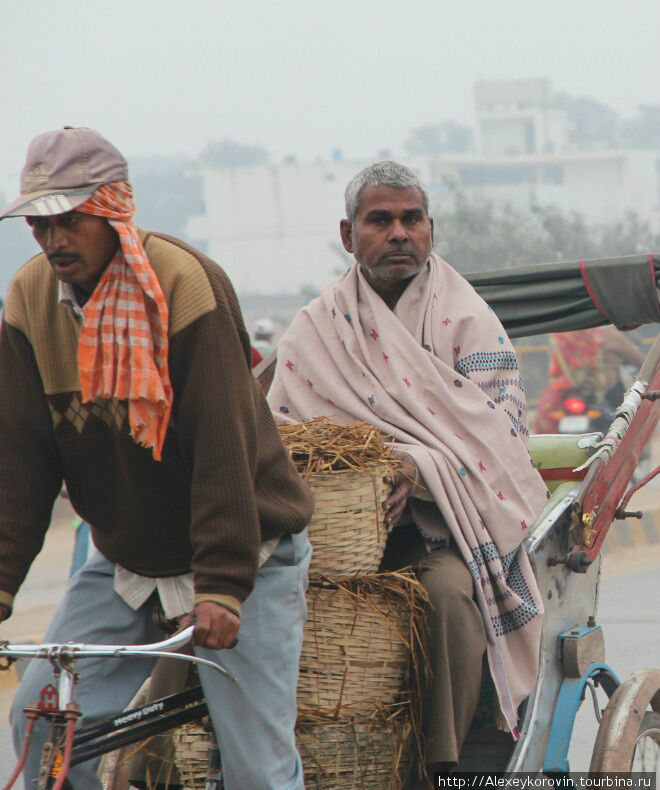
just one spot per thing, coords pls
(431, 223)
(346, 232)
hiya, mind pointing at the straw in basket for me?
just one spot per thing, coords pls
(346, 467)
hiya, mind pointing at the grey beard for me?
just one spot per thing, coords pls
(380, 275)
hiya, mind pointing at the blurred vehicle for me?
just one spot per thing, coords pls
(586, 383)
(264, 331)
(581, 412)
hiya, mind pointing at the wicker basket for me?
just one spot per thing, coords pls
(354, 755)
(353, 668)
(365, 754)
(347, 530)
(191, 754)
(354, 658)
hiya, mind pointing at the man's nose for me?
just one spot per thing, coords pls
(398, 231)
(56, 238)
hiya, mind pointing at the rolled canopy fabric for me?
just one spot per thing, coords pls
(562, 297)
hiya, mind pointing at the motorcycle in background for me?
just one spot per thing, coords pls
(582, 411)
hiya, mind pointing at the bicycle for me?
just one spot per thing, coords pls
(67, 747)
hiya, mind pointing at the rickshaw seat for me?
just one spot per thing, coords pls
(556, 456)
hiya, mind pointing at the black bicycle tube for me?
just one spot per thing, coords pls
(136, 732)
(149, 710)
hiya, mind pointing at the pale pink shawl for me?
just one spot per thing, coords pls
(441, 376)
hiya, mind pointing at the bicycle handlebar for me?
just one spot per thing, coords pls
(71, 651)
(83, 649)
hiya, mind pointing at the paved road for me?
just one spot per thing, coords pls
(628, 612)
(630, 617)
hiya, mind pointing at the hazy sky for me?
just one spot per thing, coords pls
(300, 76)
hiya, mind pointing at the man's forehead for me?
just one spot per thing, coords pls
(375, 197)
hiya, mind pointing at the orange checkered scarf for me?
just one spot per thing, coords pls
(122, 352)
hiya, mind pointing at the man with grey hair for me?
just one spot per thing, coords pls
(403, 342)
(390, 174)
(388, 258)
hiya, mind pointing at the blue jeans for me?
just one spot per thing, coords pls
(80, 546)
(253, 719)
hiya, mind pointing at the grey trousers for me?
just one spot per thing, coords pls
(457, 640)
(253, 719)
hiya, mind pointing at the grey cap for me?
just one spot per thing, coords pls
(63, 168)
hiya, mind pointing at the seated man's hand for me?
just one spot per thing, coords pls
(403, 481)
(215, 626)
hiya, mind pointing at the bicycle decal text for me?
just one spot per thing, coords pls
(136, 715)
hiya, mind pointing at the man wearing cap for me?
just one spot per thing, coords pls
(125, 373)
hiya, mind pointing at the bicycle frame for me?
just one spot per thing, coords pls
(58, 705)
(132, 726)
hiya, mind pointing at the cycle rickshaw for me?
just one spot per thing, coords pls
(588, 476)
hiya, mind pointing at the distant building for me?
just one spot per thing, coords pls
(517, 117)
(603, 185)
(524, 149)
(274, 228)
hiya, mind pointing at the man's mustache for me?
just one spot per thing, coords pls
(57, 257)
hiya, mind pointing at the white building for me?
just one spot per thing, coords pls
(524, 148)
(275, 228)
(602, 185)
(517, 117)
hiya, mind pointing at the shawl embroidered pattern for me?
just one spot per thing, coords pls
(441, 376)
(122, 352)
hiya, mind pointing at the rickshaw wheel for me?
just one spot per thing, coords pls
(629, 734)
(647, 752)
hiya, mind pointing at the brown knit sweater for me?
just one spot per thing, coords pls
(225, 483)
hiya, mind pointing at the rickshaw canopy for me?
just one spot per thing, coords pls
(562, 297)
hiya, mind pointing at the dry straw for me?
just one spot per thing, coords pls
(322, 445)
(365, 647)
(115, 771)
(360, 753)
(347, 467)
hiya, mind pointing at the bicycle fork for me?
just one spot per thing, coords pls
(58, 706)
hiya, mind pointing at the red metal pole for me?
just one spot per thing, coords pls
(31, 716)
